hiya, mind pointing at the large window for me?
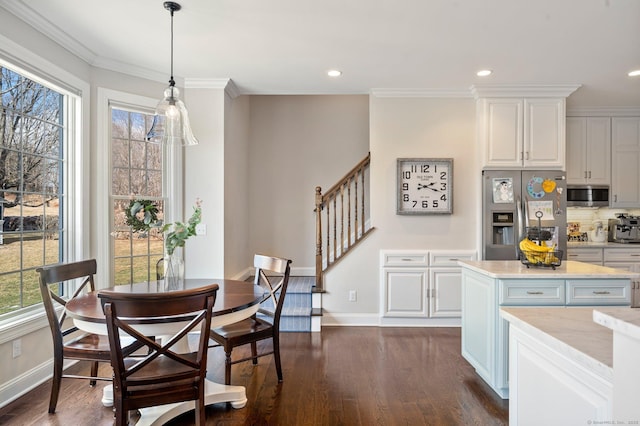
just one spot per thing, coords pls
(136, 174)
(32, 185)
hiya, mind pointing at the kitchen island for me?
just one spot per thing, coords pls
(489, 285)
(573, 365)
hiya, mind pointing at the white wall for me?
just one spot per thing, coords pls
(408, 127)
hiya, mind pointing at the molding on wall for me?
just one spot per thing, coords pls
(604, 112)
(19, 386)
(524, 90)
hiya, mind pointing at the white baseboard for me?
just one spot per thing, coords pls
(29, 380)
(374, 320)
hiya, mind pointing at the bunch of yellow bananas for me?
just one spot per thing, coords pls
(538, 254)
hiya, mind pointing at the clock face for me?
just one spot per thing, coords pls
(425, 186)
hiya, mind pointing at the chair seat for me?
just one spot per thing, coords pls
(97, 344)
(241, 328)
(160, 369)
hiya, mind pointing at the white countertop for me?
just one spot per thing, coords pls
(623, 320)
(571, 332)
(567, 270)
(604, 244)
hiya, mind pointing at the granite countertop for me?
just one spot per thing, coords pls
(622, 320)
(567, 270)
(571, 332)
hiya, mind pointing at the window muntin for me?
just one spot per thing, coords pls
(32, 185)
(136, 173)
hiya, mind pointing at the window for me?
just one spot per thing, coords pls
(136, 174)
(33, 185)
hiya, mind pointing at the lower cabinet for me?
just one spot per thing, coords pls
(586, 255)
(421, 285)
(628, 259)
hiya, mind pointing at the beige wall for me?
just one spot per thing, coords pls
(296, 144)
(408, 127)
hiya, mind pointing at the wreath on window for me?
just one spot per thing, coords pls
(142, 215)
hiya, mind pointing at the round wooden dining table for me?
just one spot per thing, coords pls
(235, 301)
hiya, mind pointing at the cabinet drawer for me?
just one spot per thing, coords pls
(622, 255)
(596, 292)
(585, 255)
(405, 258)
(450, 258)
(540, 292)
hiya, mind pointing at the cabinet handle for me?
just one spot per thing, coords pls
(601, 292)
(585, 174)
(635, 255)
(589, 174)
(455, 260)
(534, 292)
(527, 155)
(406, 260)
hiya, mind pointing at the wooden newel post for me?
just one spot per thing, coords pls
(318, 210)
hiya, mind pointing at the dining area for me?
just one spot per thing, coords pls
(149, 342)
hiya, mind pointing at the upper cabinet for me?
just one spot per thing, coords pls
(625, 170)
(589, 150)
(522, 127)
(523, 133)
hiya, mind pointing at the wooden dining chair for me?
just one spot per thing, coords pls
(272, 273)
(54, 282)
(163, 376)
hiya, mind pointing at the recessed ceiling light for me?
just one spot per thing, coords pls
(483, 73)
(634, 73)
(334, 73)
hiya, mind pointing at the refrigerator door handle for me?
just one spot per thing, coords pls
(519, 221)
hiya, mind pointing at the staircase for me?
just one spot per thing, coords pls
(297, 309)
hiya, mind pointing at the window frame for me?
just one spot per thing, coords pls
(76, 161)
(171, 179)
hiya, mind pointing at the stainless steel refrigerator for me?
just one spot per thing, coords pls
(519, 203)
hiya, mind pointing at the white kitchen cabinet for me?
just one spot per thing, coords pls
(586, 254)
(627, 258)
(421, 285)
(625, 173)
(589, 150)
(522, 132)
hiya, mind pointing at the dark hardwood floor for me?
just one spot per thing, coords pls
(341, 376)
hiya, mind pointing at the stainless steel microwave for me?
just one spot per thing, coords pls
(587, 195)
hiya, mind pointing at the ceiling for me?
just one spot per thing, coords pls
(287, 46)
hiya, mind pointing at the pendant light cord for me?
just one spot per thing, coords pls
(171, 80)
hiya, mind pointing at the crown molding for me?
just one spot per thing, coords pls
(524, 90)
(225, 84)
(604, 112)
(39, 23)
(421, 93)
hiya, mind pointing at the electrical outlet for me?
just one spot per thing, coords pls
(17, 348)
(201, 229)
(352, 295)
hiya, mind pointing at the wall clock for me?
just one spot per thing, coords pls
(425, 186)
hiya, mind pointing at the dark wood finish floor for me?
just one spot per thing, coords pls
(341, 376)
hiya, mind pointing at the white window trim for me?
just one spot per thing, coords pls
(172, 165)
(77, 117)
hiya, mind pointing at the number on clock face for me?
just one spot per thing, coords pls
(424, 186)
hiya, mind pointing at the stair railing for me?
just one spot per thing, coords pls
(345, 200)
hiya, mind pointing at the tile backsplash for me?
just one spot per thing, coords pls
(585, 216)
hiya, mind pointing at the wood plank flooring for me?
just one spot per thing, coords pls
(341, 376)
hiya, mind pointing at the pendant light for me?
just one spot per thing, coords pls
(171, 121)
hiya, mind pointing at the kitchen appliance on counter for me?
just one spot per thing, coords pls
(510, 201)
(597, 234)
(624, 229)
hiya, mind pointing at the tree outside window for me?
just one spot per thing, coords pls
(32, 188)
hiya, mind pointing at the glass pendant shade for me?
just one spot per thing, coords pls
(171, 122)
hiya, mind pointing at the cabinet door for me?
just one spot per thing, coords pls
(576, 150)
(405, 292)
(625, 173)
(502, 132)
(589, 150)
(544, 133)
(598, 152)
(587, 255)
(445, 292)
